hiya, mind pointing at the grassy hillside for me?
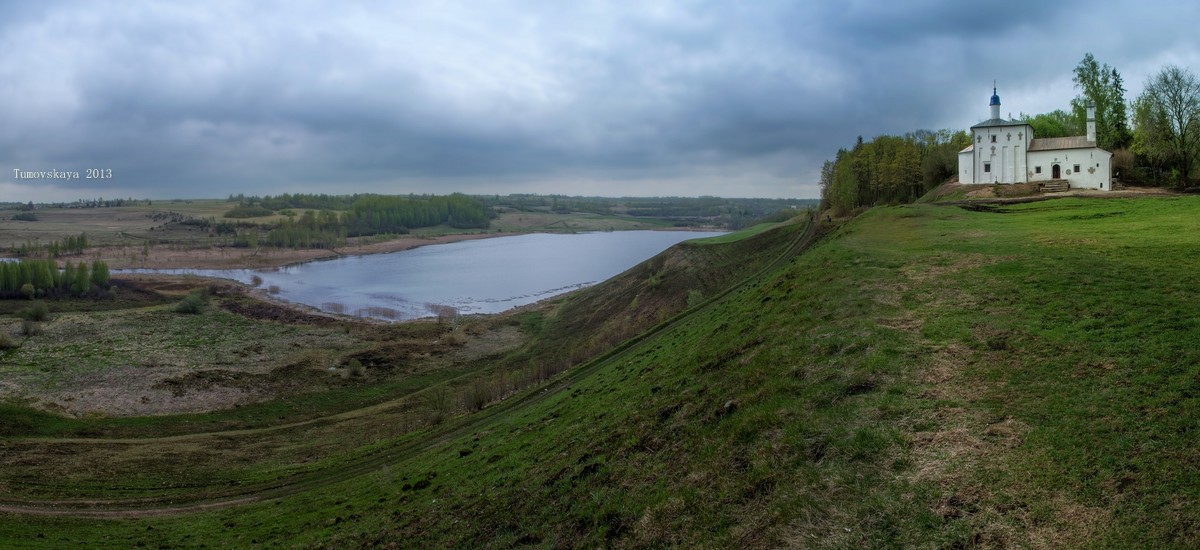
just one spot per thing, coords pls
(598, 318)
(925, 376)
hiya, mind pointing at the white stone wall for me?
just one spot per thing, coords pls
(1006, 155)
(1095, 167)
(966, 172)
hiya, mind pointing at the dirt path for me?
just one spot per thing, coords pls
(986, 194)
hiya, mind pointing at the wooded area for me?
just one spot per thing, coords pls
(29, 278)
(320, 226)
(891, 169)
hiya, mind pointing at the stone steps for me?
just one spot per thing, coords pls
(1055, 186)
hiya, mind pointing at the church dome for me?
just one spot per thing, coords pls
(995, 98)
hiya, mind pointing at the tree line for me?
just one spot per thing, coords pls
(373, 214)
(28, 278)
(298, 200)
(71, 244)
(682, 211)
(364, 215)
(891, 169)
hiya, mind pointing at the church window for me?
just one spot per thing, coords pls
(978, 139)
(987, 167)
(1036, 169)
(993, 139)
(1076, 168)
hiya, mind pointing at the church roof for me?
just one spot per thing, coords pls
(1072, 142)
(999, 122)
(969, 148)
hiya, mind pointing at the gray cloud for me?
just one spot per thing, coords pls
(684, 97)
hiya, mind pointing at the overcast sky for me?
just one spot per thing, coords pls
(727, 98)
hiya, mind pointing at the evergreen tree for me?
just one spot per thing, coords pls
(1102, 85)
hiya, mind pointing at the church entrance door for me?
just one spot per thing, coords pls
(1056, 172)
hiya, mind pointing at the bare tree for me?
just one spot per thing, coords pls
(1167, 118)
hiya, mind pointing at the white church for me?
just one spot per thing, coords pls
(1005, 151)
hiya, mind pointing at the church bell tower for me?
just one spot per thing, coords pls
(995, 103)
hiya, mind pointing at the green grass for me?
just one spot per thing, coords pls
(924, 377)
(737, 235)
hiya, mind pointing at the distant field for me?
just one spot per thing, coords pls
(108, 226)
(131, 226)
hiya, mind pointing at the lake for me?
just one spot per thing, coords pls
(475, 276)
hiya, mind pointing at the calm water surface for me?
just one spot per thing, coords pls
(478, 276)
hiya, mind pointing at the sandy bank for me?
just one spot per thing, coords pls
(169, 257)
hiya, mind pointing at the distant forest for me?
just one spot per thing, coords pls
(369, 214)
(682, 211)
(321, 226)
(1155, 140)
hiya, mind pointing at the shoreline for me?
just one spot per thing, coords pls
(267, 258)
(163, 257)
(203, 259)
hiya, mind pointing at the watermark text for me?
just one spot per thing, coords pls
(56, 174)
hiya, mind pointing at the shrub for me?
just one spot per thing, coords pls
(37, 312)
(193, 304)
(356, 368)
(479, 394)
(28, 291)
(6, 342)
(25, 217)
(30, 328)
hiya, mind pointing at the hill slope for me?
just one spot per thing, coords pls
(595, 319)
(924, 376)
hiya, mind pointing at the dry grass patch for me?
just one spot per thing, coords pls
(937, 268)
(132, 362)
